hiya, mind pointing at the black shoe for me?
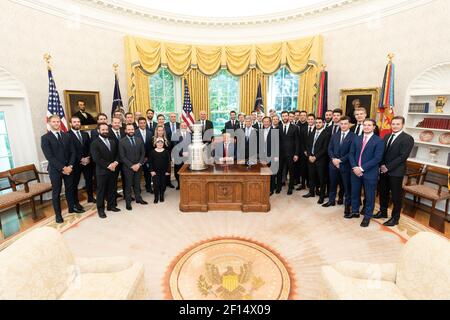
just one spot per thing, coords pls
(59, 219)
(92, 200)
(329, 204)
(133, 199)
(309, 195)
(178, 188)
(156, 200)
(102, 215)
(321, 200)
(347, 210)
(380, 215)
(363, 211)
(142, 202)
(79, 207)
(340, 201)
(353, 216)
(365, 222)
(114, 209)
(278, 191)
(75, 210)
(271, 193)
(171, 186)
(161, 197)
(128, 206)
(391, 222)
(289, 193)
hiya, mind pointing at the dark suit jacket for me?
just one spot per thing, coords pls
(371, 157)
(257, 125)
(130, 155)
(85, 121)
(154, 126)
(341, 152)
(169, 130)
(320, 148)
(59, 154)
(330, 129)
(376, 131)
(229, 126)
(103, 157)
(113, 136)
(304, 138)
(148, 145)
(81, 150)
(251, 145)
(395, 157)
(208, 125)
(290, 142)
(94, 134)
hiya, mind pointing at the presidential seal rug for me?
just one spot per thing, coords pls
(229, 269)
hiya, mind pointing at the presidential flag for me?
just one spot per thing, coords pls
(54, 106)
(187, 115)
(387, 101)
(117, 104)
(259, 105)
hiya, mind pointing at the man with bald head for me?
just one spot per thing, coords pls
(172, 126)
(206, 125)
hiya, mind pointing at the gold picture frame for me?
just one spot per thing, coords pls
(369, 98)
(92, 102)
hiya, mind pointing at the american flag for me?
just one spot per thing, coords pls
(54, 104)
(187, 115)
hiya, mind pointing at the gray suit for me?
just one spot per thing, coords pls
(129, 156)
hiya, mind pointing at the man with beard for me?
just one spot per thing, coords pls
(101, 118)
(132, 156)
(85, 117)
(105, 155)
(151, 125)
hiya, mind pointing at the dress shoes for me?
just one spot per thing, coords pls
(381, 215)
(365, 222)
(76, 210)
(329, 204)
(352, 216)
(391, 222)
(171, 186)
(178, 188)
(347, 210)
(309, 195)
(118, 195)
(161, 197)
(321, 200)
(114, 209)
(92, 200)
(102, 215)
(59, 219)
(363, 211)
(289, 193)
(340, 201)
(128, 206)
(278, 191)
(156, 200)
(133, 199)
(142, 202)
(271, 193)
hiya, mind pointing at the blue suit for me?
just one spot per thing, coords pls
(370, 163)
(336, 150)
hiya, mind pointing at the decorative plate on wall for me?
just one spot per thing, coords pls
(426, 136)
(444, 138)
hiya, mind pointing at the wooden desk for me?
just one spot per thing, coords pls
(225, 188)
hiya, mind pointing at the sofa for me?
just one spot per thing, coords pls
(40, 266)
(421, 272)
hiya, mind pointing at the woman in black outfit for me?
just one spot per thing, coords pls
(159, 169)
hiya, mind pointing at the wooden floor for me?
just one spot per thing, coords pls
(11, 223)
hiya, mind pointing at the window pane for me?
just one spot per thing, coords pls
(285, 90)
(6, 159)
(162, 92)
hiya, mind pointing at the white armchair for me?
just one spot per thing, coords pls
(422, 272)
(41, 266)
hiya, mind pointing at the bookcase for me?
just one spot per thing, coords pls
(420, 114)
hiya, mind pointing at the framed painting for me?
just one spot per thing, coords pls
(84, 105)
(367, 98)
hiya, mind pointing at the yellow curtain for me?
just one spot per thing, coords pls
(141, 92)
(248, 87)
(198, 90)
(308, 89)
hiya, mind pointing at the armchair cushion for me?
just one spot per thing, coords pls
(367, 271)
(427, 192)
(101, 265)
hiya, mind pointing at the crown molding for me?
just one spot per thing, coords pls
(325, 17)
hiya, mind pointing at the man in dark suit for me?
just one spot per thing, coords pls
(269, 152)
(207, 127)
(360, 116)
(398, 146)
(317, 153)
(171, 127)
(129, 119)
(85, 117)
(232, 124)
(116, 133)
(289, 151)
(258, 124)
(180, 152)
(83, 164)
(60, 154)
(247, 143)
(151, 125)
(306, 131)
(106, 157)
(224, 151)
(333, 129)
(132, 155)
(101, 118)
(146, 136)
(339, 167)
(328, 116)
(365, 156)
(241, 121)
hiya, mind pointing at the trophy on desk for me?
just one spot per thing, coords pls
(440, 103)
(197, 149)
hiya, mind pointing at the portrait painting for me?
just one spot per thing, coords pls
(367, 98)
(84, 105)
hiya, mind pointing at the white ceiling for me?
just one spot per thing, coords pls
(225, 9)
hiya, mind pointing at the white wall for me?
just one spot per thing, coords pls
(357, 56)
(82, 58)
(83, 55)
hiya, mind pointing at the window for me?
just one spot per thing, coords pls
(165, 93)
(6, 159)
(283, 89)
(223, 98)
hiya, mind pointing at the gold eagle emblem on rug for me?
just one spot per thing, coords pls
(229, 285)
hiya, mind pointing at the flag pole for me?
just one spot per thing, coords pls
(116, 69)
